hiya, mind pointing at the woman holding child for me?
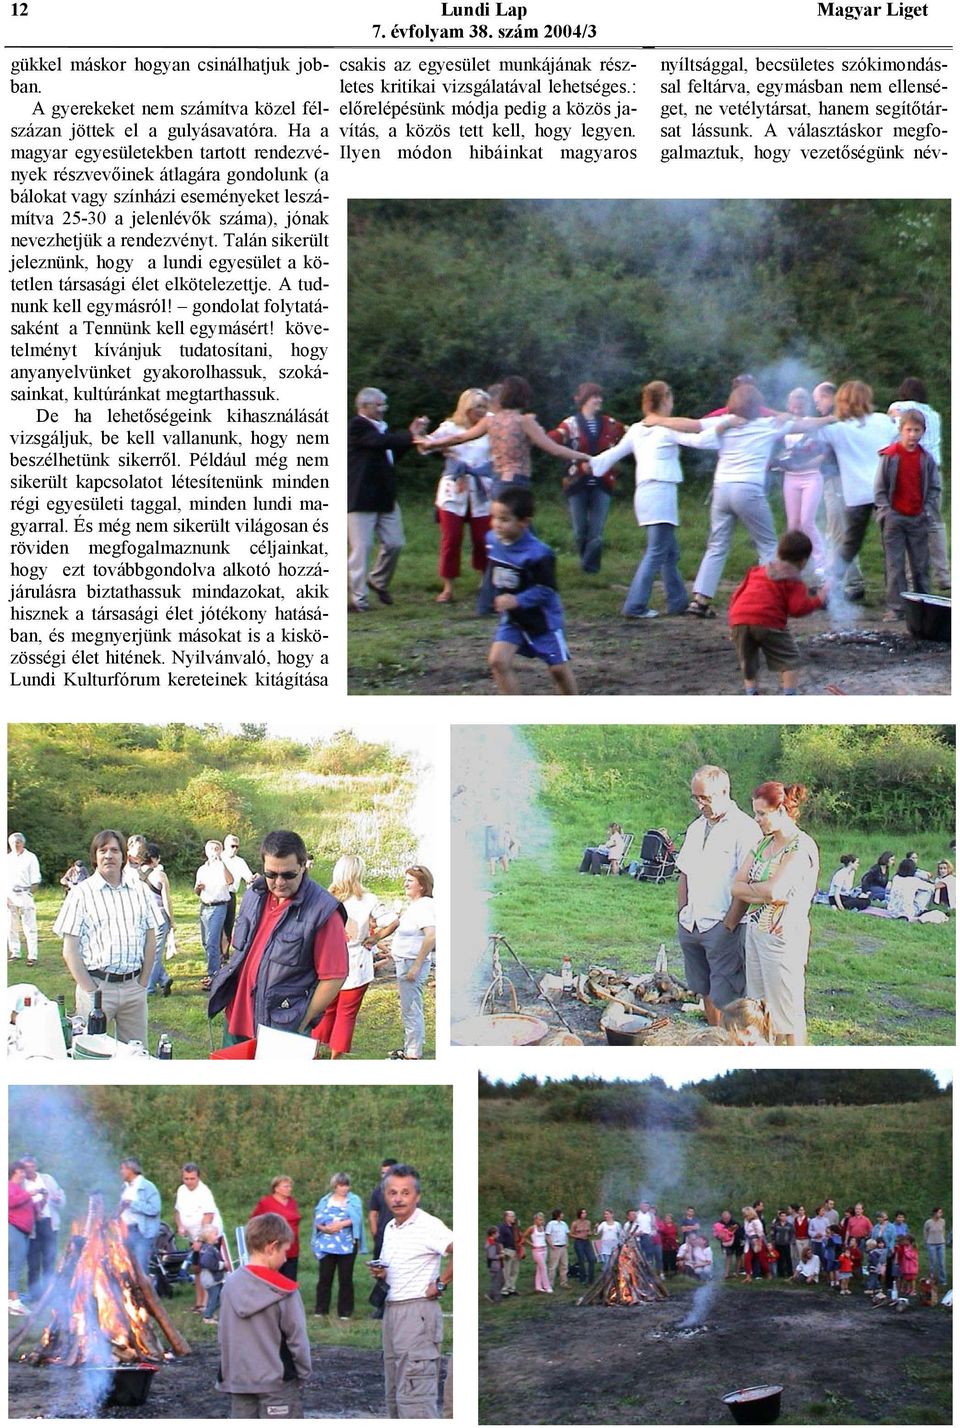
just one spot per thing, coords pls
(778, 879)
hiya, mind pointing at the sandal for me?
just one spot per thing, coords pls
(701, 609)
(206, 984)
(445, 597)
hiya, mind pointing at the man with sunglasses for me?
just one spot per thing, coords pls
(289, 955)
(714, 847)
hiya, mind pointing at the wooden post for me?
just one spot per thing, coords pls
(177, 1342)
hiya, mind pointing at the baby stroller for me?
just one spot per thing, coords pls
(169, 1264)
(658, 860)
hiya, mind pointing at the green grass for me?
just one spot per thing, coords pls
(242, 1137)
(387, 654)
(183, 1015)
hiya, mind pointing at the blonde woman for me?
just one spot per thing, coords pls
(463, 494)
(336, 1028)
(412, 952)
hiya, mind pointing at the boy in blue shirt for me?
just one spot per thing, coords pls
(524, 582)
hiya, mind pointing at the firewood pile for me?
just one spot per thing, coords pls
(102, 1309)
(628, 1279)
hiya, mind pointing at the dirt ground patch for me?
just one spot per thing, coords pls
(838, 1360)
(690, 656)
(346, 1383)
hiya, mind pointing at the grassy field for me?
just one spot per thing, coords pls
(183, 1015)
(390, 648)
(869, 981)
(241, 1138)
(564, 1145)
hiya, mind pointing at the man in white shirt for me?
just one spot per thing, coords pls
(240, 871)
(414, 1246)
(213, 885)
(710, 929)
(109, 930)
(48, 1201)
(557, 1232)
(22, 879)
(195, 1211)
(646, 1229)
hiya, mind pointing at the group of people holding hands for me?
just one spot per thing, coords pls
(830, 445)
(791, 1245)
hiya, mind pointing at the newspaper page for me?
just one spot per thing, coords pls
(361, 368)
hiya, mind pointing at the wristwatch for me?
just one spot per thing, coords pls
(441, 1288)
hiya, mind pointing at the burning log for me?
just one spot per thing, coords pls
(627, 1279)
(102, 1307)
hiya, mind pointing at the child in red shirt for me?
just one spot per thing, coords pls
(907, 497)
(760, 607)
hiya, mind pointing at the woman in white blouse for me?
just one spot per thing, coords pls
(412, 952)
(339, 1019)
(745, 438)
(658, 474)
(463, 493)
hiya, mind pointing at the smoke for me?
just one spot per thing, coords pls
(495, 782)
(703, 1297)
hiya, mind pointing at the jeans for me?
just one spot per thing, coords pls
(411, 1005)
(661, 557)
(937, 1254)
(212, 916)
(159, 977)
(141, 1247)
(586, 1259)
(41, 1257)
(18, 1243)
(734, 501)
(588, 515)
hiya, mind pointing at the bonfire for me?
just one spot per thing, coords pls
(628, 1279)
(102, 1312)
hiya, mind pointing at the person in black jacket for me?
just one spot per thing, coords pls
(372, 510)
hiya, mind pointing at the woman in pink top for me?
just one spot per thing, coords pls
(512, 430)
(20, 1218)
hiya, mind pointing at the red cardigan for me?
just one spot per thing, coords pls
(270, 1205)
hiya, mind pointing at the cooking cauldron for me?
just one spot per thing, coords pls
(928, 616)
(759, 1404)
(628, 1032)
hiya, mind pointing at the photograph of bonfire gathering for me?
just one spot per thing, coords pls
(649, 447)
(751, 1247)
(177, 1253)
(664, 885)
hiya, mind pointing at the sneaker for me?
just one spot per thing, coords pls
(209, 1321)
(395, 1056)
(17, 1306)
(641, 615)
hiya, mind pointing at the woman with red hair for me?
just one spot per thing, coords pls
(778, 879)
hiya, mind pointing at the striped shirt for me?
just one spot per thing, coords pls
(110, 923)
(412, 1253)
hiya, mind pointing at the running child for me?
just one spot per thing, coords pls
(760, 607)
(523, 576)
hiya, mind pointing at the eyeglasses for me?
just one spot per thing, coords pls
(285, 877)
